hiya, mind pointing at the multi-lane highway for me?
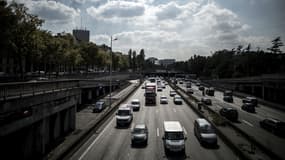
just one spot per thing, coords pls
(110, 142)
(249, 122)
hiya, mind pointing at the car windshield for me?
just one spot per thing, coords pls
(163, 97)
(174, 135)
(123, 112)
(135, 102)
(207, 129)
(139, 131)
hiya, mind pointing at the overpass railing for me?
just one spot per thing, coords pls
(20, 89)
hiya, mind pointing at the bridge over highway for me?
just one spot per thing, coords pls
(35, 116)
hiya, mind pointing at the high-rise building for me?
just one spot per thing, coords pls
(166, 62)
(81, 35)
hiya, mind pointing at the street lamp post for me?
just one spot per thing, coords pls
(110, 82)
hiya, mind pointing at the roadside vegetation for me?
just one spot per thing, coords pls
(30, 49)
(237, 62)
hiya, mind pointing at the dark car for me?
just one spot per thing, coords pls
(228, 96)
(189, 91)
(159, 89)
(188, 85)
(140, 134)
(201, 88)
(273, 125)
(99, 106)
(230, 113)
(206, 101)
(251, 100)
(249, 107)
(210, 91)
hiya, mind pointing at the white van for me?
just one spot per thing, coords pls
(173, 138)
(124, 115)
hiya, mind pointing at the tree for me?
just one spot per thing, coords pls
(247, 49)
(276, 44)
(239, 48)
(17, 33)
(134, 60)
(130, 58)
(141, 59)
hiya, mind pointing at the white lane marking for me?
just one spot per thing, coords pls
(95, 140)
(246, 122)
(156, 111)
(185, 130)
(174, 109)
(157, 132)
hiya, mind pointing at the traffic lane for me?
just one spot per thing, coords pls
(114, 143)
(218, 104)
(262, 110)
(249, 123)
(194, 150)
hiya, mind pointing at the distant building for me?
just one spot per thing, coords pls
(81, 35)
(152, 60)
(166, 62)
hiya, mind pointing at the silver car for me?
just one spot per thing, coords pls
(204, 132)
(163, 100)
(139, 134)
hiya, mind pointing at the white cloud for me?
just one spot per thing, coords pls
(179, 31)
(169, 11)
(116, 9)
(58, 16)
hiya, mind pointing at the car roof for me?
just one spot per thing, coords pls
(140, 126)
(100, 102)
(125, 107)
(135, 100)
(202, 122)
(250, 98)
(172, 126)
(230, 108)
(273, 119)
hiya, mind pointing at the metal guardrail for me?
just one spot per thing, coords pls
(23, 89)
(20, 89)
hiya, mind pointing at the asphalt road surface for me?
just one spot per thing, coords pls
(111, 143)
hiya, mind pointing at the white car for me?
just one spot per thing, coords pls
(172, 93)
(135, 103)
(177, 99)
(163, 100)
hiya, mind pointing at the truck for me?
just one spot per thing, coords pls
(150, 94)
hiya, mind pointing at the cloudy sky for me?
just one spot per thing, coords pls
(167, 29)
